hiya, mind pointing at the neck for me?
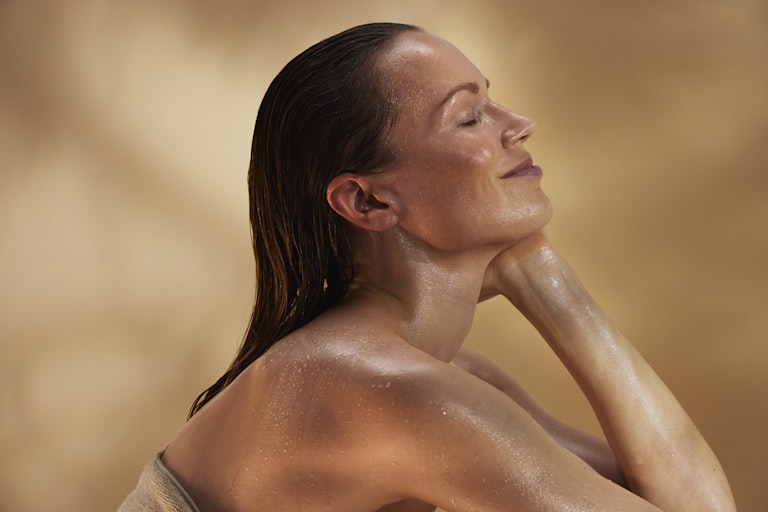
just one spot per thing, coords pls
(428, 296)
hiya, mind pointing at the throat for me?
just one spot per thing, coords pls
(429, 296)
(433, 319)
(439, 328)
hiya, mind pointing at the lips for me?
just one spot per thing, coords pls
(524, 168)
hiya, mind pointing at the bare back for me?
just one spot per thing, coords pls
(308, 426)
(356, 419)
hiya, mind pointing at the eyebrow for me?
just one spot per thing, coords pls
(466, 86)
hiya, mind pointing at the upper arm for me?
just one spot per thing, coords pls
(479, 366)
(592, 450)
(467, 446)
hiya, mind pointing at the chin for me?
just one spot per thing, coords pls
(537, 220)
(546, 214)
(539, 215)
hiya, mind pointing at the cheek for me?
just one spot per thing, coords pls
(457, 180)
(453, 170)
(481, 157)
(468, 154)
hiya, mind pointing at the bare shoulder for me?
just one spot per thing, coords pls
(375, 422)
(481, 367)
(487, 371)
(447, 434)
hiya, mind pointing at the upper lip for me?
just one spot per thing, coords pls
(526, 163)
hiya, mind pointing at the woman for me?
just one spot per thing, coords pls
(389, 194)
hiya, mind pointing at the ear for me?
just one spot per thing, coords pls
(363, 201)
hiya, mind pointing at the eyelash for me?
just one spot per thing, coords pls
(470, 122)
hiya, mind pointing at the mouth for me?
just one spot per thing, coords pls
(524, 168)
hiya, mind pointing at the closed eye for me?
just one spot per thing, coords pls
(469, 122)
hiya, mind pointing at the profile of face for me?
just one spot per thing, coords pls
(460, 176)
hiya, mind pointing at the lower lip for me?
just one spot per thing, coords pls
(533, 170)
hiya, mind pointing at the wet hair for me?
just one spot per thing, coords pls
(328, 111)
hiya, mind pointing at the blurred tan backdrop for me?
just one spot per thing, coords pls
(125, 265)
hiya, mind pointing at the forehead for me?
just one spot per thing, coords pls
(421, 68)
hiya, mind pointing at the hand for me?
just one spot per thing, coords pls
(504, 271)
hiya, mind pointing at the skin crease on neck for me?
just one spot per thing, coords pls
(452, 210)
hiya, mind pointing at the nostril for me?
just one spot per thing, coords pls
(512, 136)
(525, 131)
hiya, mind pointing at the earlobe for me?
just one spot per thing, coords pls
(361, 202)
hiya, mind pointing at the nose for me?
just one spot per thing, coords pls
(517, 130)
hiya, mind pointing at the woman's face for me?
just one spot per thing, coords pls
(460, 171)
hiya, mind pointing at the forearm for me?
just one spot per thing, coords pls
(661, 452)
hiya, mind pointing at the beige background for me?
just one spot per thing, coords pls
(125, 266)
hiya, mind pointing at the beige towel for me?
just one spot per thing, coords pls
(158, 491)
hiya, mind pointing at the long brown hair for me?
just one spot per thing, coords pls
(326, 112)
